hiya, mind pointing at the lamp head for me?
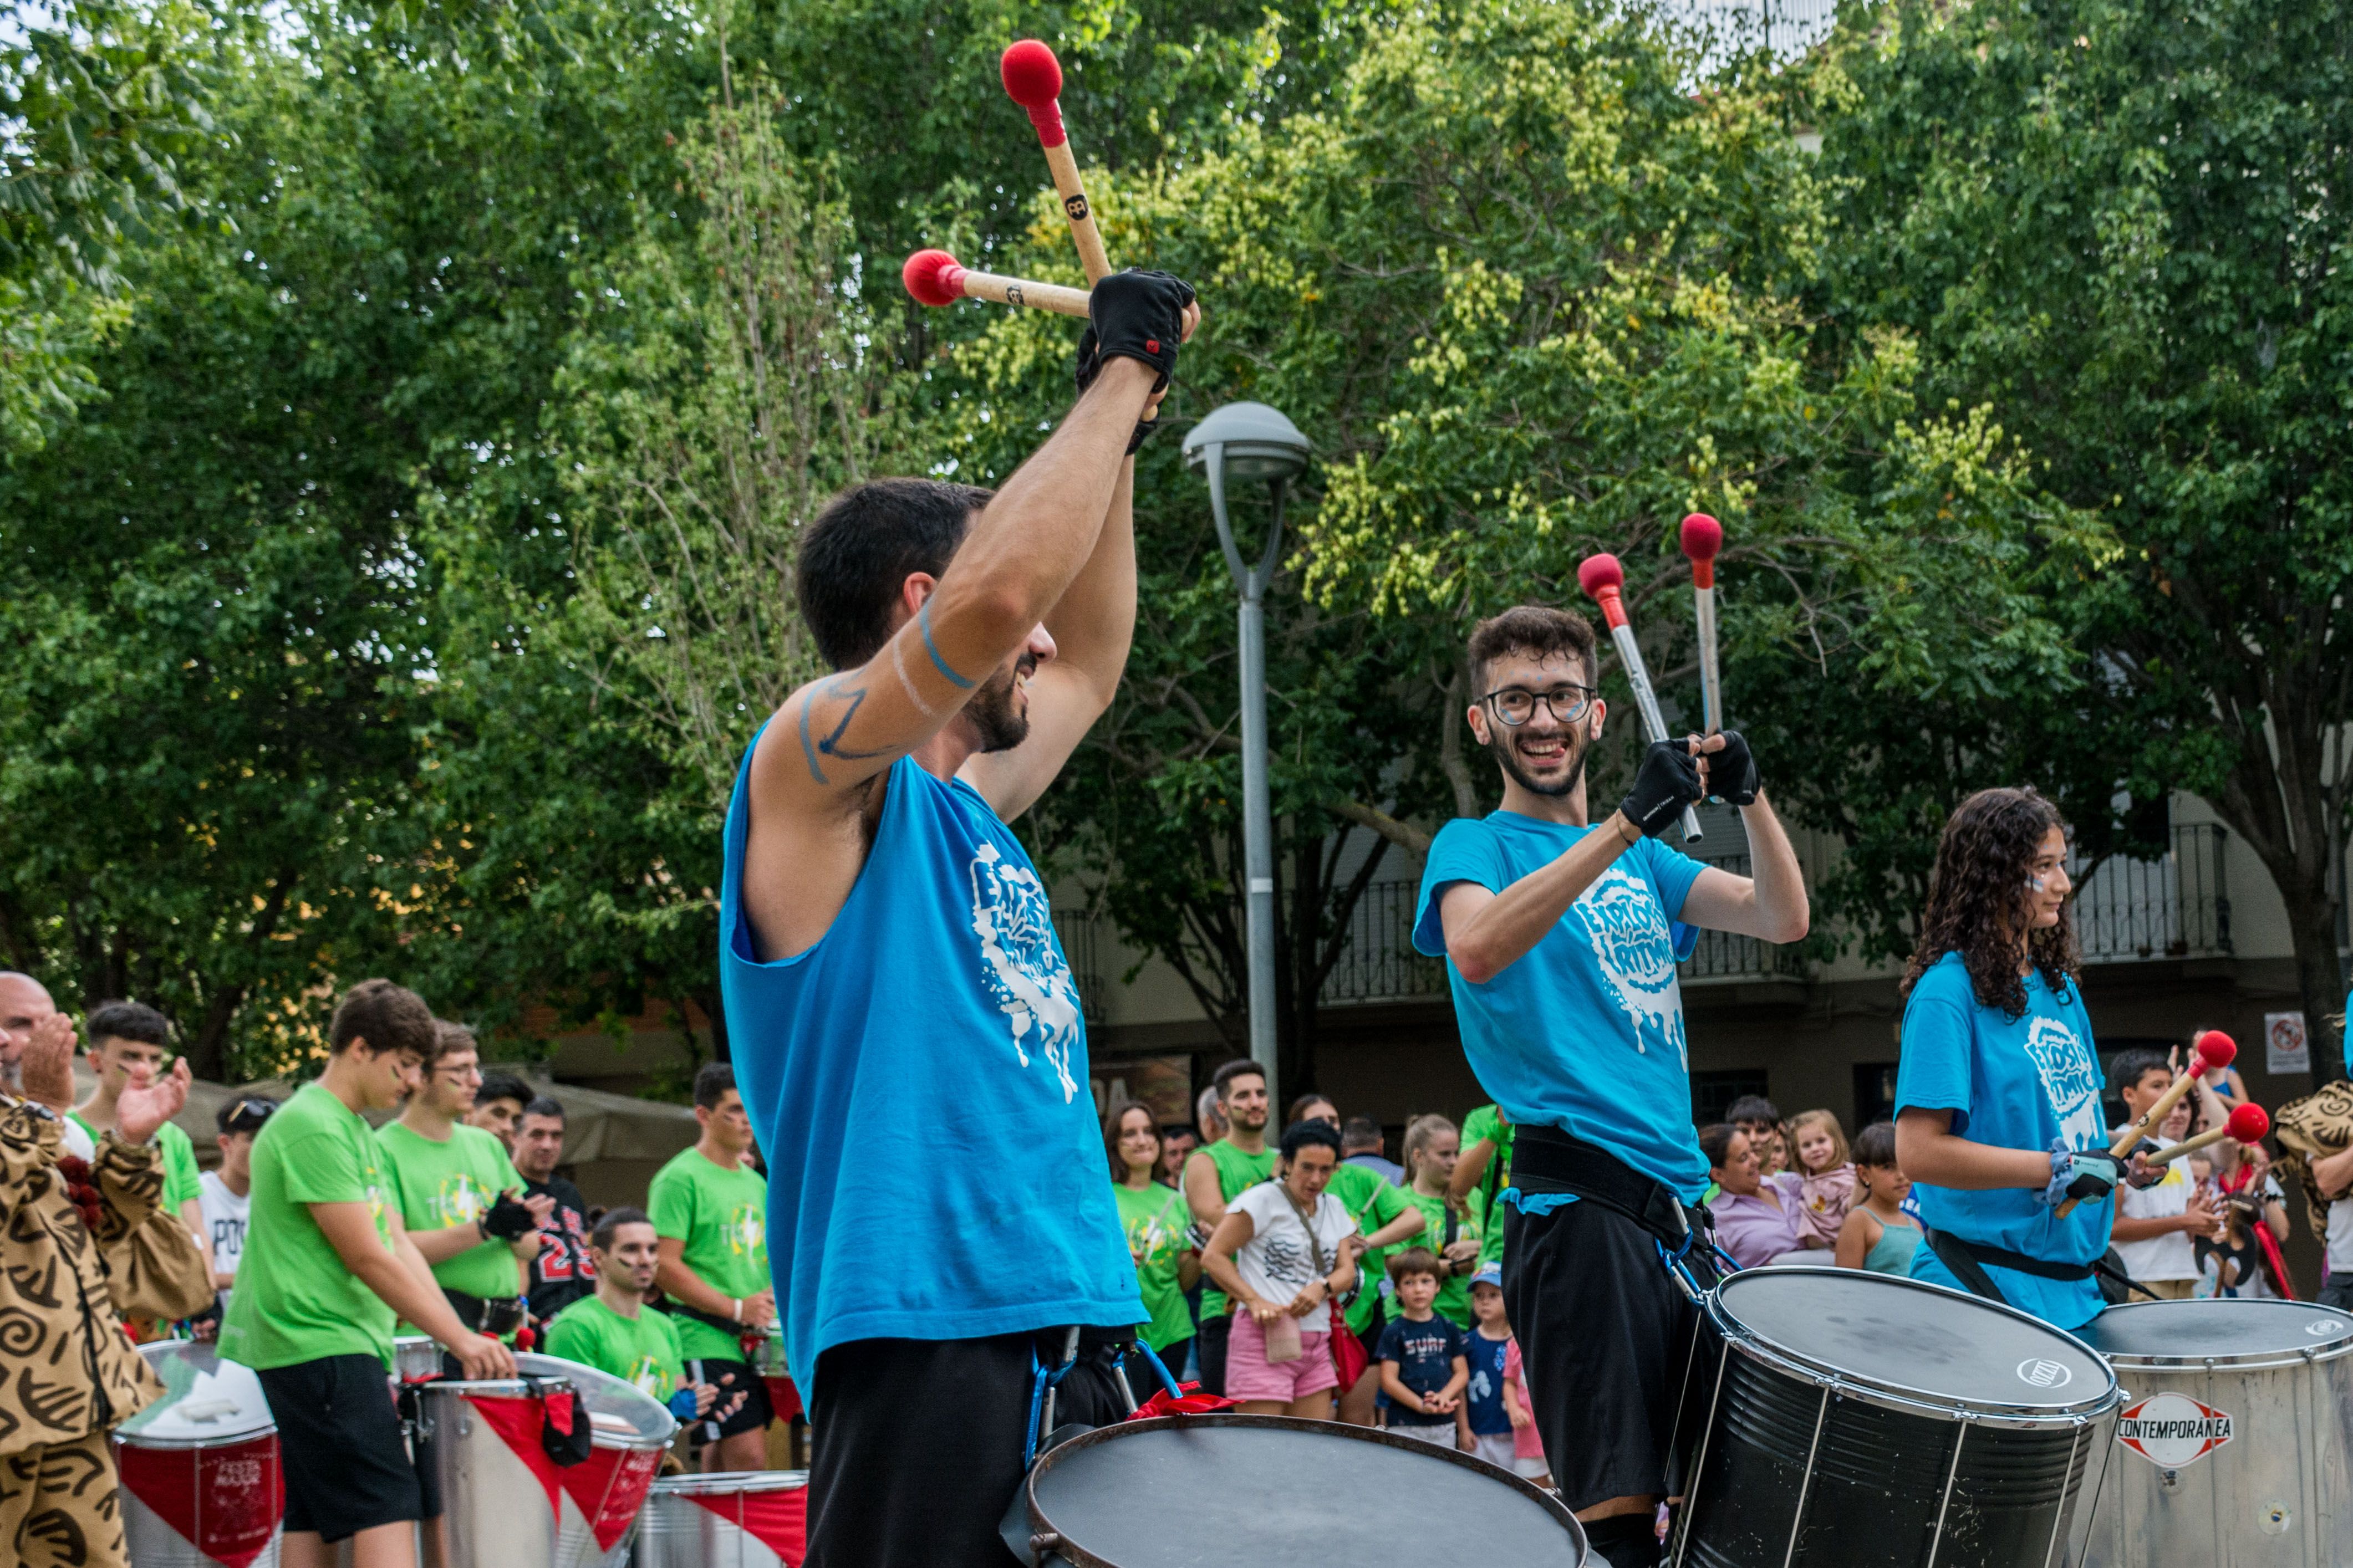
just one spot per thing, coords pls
(1251, 441)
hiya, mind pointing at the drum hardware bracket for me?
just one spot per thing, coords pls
(1043, 1542)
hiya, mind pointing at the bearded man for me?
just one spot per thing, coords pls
(74, 1373)
(1561, 939)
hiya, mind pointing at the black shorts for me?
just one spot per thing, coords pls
(756, 1411)
(919, 1446)
(340, 1447)
(1606, 1335)
(1209, 1350)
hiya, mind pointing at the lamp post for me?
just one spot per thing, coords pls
(1250, 441)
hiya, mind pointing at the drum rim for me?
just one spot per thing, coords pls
(175, 1346)
(2272, 1360)
(690, 1486)
(1080, 1557)
(515, 1388)
(1902, 1397)
(190, 1445)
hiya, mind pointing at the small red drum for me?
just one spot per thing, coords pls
(201, 1485)
(747, 1519)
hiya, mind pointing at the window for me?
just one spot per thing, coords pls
(1875, 1094)
(1714, 1092)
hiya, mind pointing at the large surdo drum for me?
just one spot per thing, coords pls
(2234, 1445)
(746, 1519)
(1132, 1496)
(1846, 1418)
(201, 1484)
(506, 1502)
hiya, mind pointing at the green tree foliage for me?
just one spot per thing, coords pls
(2122, 223)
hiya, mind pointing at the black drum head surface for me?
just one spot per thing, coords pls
(1905, 1337)
(2194, 1330)
(1212, 1491)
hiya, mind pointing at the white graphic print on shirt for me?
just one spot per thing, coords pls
(1022, 962)
(1628, 931)
(2069, 1081)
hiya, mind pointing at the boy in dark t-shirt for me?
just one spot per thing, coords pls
(1424, 1363)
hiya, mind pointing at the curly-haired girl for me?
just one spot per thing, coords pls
(1997, 1100)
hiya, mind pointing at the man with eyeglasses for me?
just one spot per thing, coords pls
(1562, 937)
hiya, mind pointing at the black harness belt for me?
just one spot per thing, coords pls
(1968, 1260)
(1546, 1160)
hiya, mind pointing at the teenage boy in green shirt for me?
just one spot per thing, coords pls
(710, 1216)
(460, 1196)
(129, 1041)
(328, 1268)
(1214, 1175)
(613, 1331)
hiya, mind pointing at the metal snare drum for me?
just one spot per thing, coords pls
(738, 1519)
(768, 1357)
(415, 1359)
(199, 1467)
(1131, 1496)
(496, 1512)
(2235, 1441)
(1846, 1418)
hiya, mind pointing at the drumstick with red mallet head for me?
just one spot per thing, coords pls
(2248, 1124)
(2215, 1051)
(1703, 538)
(1603, 581)
(1033, 79)
(935, 277)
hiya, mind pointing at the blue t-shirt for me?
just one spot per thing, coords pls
(1425, 1356)
(1485, 1395)
(2010, 1083)
(2347, 1040)
(1585, 1032)
(918, 1079)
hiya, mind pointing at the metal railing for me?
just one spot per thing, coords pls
(1081, 941)
(1377, 963)
(2176, 906)
(1787, 27)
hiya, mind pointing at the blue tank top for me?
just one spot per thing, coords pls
(918, 1080)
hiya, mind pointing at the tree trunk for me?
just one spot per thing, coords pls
(2319, 978)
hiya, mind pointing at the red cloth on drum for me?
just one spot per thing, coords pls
(610, 1486)
(778, 1520)
(783, 1397)
(224, 1501)
(518, 1420)
(1194, 1403)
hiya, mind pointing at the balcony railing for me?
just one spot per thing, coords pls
(1080, 939)
(1378, 962)
(2176, 906)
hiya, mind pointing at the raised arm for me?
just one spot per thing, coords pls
(1768, 904)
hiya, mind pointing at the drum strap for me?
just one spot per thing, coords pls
(1968, 1260)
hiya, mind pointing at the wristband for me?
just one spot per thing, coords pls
(735, 1308)
(682, 1404)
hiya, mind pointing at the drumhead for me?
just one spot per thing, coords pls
(2158, 1333)
(729, 1483)
(208, 1402)
(1910, 1340)
(620, 1414)
(1136, 1495)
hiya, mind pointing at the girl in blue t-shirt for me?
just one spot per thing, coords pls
(1998, 1098)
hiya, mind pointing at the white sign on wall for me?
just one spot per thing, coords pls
(2285, 1046)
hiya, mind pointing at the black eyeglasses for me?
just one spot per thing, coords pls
(1516, 705)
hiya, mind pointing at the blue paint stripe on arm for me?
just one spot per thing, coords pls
(808, 746)
(924, 622)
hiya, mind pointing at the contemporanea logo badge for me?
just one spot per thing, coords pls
(2173, 1429)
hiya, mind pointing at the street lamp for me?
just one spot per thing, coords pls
(1250, 441)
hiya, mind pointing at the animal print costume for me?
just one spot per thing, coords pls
(71, 1372)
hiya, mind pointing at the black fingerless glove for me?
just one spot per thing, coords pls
(1669, 781)
(1732, 771)
(507, 1219)
(1136, 314)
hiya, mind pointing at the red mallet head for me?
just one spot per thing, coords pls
(933, 278)
(1033, 79)
(2248, 1124)
(1601, 576)
(2215, 1050)
(1703, 537)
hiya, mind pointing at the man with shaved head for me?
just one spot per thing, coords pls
(76, 1373)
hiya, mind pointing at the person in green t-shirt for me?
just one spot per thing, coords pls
(614, 1331)
(1157, 1224)
(1482, 1175)
(1386, 1218)
(328, 1268)
(710, 1216)
(1216, 1175)
(1452, 1231)
(129, 1041)
(460, 1197)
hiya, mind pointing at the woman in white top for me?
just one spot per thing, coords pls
(1282, 1254)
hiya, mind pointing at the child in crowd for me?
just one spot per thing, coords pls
(1425, 1363)
(1826, 1186)
(1876, 1233)
(1761, 1120)
(1486, 1427)
(1528, 1445)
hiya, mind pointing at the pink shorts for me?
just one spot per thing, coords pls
(1248, 1376)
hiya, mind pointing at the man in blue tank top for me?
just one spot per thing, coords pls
(1561, 939)
(907, 1036)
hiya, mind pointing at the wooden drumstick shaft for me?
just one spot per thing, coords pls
(2211, 1136)
(1073, 191)
(2138, 1128)
(998, 289)
(1033, 79)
